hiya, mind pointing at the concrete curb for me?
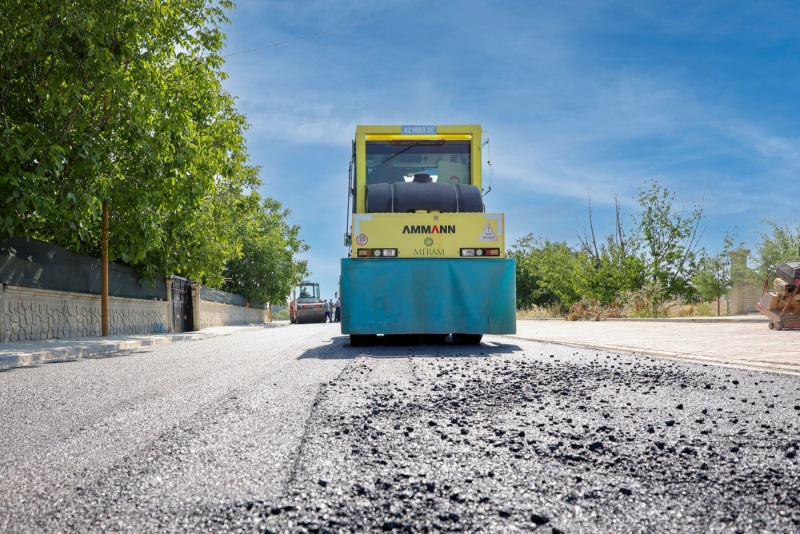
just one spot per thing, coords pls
(736, 364)
(73, 349)
(730, 319)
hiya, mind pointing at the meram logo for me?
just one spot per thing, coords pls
(428, 252)
(435, 229)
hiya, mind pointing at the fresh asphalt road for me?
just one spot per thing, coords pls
(290, 429)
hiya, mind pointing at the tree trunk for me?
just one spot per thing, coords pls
(104, 272)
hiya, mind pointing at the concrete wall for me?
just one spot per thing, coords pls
(28, 314)
(207, 314)
(745, 292)
(743, 297)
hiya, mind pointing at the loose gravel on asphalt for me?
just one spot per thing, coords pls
(293, 430)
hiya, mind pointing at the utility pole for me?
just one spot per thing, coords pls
(104, 272)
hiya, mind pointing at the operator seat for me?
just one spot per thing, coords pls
(385, 173)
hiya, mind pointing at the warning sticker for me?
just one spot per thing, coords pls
(362, 239)
(488, 234)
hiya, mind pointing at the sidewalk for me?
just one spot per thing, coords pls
(743, 341)
(19, 354)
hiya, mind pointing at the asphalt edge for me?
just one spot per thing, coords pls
(26, 359)
(680, 356)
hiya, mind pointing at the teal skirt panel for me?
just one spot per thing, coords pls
(428, 296)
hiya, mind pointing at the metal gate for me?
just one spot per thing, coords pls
(181, 298)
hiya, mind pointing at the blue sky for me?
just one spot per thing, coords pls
(578, 97)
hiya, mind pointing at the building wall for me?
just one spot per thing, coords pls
(29, 314)
(208, 314)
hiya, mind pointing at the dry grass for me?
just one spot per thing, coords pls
(700, 309)
(708, 309)
(592, 310)
(541, 312)
(639, 308)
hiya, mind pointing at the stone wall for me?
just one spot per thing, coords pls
(28, 314)
(207, 314)
(744, 296)
(745, 290)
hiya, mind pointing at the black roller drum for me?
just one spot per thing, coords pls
(432, 196)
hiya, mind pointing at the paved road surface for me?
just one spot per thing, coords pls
(125, 441)
(290, 429)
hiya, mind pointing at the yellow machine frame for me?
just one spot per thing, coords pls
(424, 234)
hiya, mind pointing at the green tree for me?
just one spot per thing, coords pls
(565, 272)
(714, 277)
(656, 256)
(669, 239)
(549, 272)
(780, 244)
(530, 290)
(122, 102)
(267, 268)
(618, 266)
(615, 272)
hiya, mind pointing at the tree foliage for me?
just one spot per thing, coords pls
(123, 102)
(120, 102)
(670, 238)
(267, 269)
(656, 248)
(553, 272)
(530, 288)
(617, 266)
(714, 275)
(780, 244)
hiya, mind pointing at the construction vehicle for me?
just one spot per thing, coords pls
(305, 306)
(425, 259)
(782, 304)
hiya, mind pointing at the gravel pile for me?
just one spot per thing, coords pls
(547, 439)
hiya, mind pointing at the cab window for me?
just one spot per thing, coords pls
(399, 160)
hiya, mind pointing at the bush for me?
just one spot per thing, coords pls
(648, 301)
(781, 244)
(281, 315)
(704, 309)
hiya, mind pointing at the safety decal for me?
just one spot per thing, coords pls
(488, 234)
(361, 239)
